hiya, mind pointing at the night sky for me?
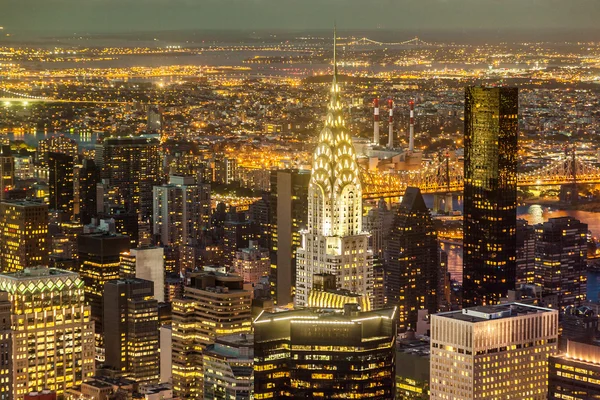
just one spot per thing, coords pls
(70, 16)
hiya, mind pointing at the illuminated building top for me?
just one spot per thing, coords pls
(335, 189)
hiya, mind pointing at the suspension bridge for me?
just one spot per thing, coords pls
(364, 41)
(447, 176)
(9, 96)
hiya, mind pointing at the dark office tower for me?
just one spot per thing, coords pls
(260, 217)
(306, 354)
(133, 166)
(561, 259)
(237, 233)
(61, 182)
(23, 235)
(490, 203)
(289, 212)
(525, 253)
(99, 262)
(6, 354)
(412, 260)
(131, 312)
(7, 171)
(86, 196)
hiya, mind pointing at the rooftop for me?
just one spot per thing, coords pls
(486, 313)
(328, 315)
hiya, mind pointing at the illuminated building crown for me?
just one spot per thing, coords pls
(335, 191)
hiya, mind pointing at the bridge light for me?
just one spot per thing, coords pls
(7, 103)
(25, 103)
(539, 182)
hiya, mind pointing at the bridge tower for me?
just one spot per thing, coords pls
(442, 202)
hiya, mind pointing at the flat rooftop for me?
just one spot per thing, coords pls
(500, 311)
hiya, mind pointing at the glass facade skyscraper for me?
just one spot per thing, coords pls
(490, 196)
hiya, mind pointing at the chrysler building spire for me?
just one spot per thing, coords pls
(334, 242)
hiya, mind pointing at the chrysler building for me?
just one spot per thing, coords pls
(334, 241)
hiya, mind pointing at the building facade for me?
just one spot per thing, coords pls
(6, 354)
(575, 375)
(252, 263)
(334, 241)
(53, 337)
(214, 304)
(132, 342)
(60, 183)
(412, 261)
(308, 354)
(289, 213)
(99, 262)
(228, 368)
(526, 270)
(561, 259)
(488, 352)
(23, 235)
(490, 194)
(182, 211)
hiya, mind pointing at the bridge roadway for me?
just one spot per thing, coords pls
(17, 100)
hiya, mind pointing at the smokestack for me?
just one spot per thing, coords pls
(376, 121)
(391, 124)
(411, 137)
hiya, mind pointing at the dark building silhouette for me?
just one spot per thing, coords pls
(525, 274)
(490, 194)
(561, 259)
(289, 213)
(412, 260)
(99, 262)
(60, 182)
(306, 354)
(86, 196)
(7, 171)
(6, 354)
(132, 343)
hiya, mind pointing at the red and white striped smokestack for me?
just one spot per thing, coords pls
(391, 124)
(411, 137)
(376, 121)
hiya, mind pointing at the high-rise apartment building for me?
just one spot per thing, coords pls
(252, 263)
(214, 304)
(182, 211)
(490, 194)
(334, 241)
(6, 337)
(132, 342)
(133, 166)
(575, 375)
(146, 263)
(7, 171)
(60, 183)
(525, 274)
(289, 211)
(228, 368)
(561, 259)
(23, 235)
(99, 257)
(378, 222)
(225, 170)
(55, 144)
(309, 354)
(53, 337)
(492, 352)
(412, 261)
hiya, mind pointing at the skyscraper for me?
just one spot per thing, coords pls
(412, 261)
(23, 235)
(99, 262)
(86, 182)
(60, 183)
(131, 312)
(181, 211)
(133, 166)
(252, 263)
(492, 352)
(310, 354)
(525, 253)
(561, 259)
(7, 171)
(6, 351)
(214, 305)
(490, 204)
(334, 241)
(289, 213)
(53, 338)
(55, 144)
